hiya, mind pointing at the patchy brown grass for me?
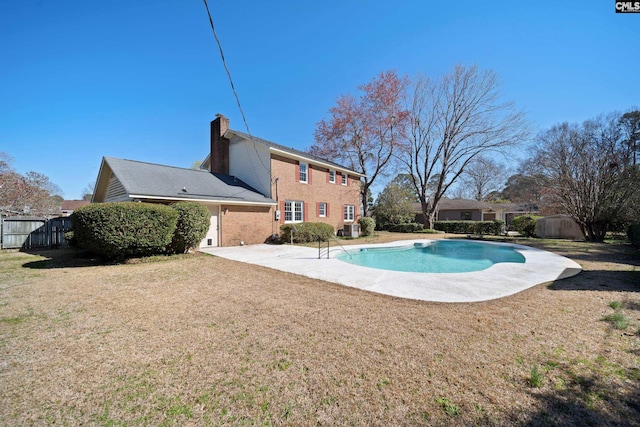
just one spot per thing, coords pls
(199, 340)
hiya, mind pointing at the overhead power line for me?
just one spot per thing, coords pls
(224, 62)
(233, 88)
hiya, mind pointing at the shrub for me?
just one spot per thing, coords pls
(633, 233)
(191, 227)
(411, 227)
(119, 230)
(367, 225)
(526, 224)
(71, 239)
(430, 231)
(495, 227)
(307, 232)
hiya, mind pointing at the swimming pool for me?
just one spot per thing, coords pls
(497, 281)
(439, 256)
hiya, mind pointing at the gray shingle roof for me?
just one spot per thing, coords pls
(148, 179)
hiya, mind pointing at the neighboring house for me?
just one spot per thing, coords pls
(251, 186)
(68, 206)
(473, 210)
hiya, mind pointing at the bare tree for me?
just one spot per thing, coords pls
(483, 176)
(364, 133)
(588, 170)
(32, 193)
(453, 120)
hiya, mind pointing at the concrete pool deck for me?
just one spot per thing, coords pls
(497, 281)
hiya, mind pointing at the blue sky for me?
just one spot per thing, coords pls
(142, 79)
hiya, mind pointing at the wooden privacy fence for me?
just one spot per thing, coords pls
(34, 232)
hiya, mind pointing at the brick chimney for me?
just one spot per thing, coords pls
(219, 145)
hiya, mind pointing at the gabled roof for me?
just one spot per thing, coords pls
(287, 151)
(142, 180)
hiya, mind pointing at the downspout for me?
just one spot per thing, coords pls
(219, 226)
(274, 221)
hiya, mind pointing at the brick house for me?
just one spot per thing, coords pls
(250, 185)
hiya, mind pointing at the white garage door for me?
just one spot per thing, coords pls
(211, 239)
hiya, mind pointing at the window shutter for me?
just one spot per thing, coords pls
(327, 210)
(309, 173)
(305, 213)
(343, 207)
(317, 209)
(297, 177)
(328, 181)
(281, 211)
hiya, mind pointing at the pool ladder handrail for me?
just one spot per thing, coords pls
(329, 248)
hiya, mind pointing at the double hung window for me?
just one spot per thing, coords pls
(293, 211)
(322, 209)
(304, 171)
(349, 213)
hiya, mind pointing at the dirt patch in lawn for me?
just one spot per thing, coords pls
(200, 340)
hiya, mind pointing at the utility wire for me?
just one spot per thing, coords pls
(224, 62)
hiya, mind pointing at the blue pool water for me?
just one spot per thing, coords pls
(439, 256)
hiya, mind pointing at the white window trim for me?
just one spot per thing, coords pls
(293, 205)
(332, 176)
(349, 213)
(306, 172)
(320, 206)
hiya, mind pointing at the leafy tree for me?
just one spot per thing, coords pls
(522, 188)
(530, 187)
(395, 204)
(453, 120)
(589, 172)
(364, 133)
(630, 123)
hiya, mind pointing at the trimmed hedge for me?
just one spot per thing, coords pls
(470, 227)
(119, 230)
(526, 224)
(367, 225)
(192, 226)
(633, 232)
(411, 227)
(307, 232)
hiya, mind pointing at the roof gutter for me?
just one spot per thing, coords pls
(217, 201)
